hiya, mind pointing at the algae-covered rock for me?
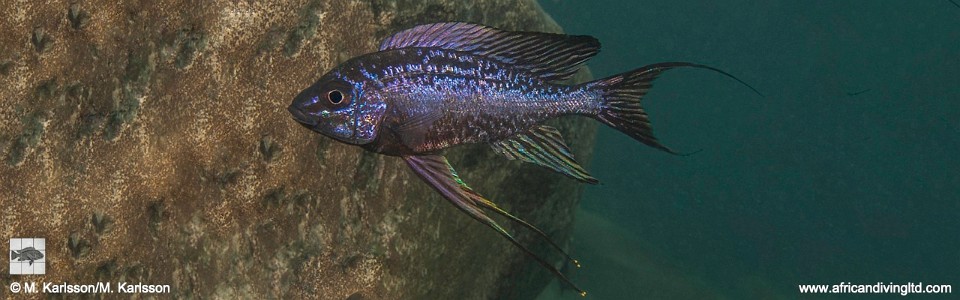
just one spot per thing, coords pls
(148, 141)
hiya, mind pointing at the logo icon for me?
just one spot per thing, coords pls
(28, 256)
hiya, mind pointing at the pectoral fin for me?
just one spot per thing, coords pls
(544, 146)
(436, 171)
(413, 130)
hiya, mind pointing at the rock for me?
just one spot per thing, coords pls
(149, 142)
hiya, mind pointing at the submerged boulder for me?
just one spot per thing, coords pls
(148, 141)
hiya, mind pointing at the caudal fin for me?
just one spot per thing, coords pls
(621, 100)
(14, 255)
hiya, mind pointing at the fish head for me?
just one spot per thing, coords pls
(335, 107)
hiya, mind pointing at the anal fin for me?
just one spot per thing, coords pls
(543, 145)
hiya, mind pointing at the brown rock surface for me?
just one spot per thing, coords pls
(148, 141)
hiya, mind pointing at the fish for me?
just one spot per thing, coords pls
(28, 253)
(436, 86)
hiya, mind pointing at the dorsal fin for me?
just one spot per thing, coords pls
(548, 56)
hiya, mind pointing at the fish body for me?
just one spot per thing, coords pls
(28, 253)
(446, 98)
(436, 86)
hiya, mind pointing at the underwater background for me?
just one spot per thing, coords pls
(846, 170)
(149, 141)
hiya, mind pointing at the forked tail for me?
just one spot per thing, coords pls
(621, 100)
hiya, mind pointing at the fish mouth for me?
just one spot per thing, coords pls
(302, 118)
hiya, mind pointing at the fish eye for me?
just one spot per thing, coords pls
(335, 96)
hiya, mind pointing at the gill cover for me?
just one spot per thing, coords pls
(335, 107)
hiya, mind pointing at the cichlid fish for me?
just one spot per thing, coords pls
(435, 86)
(28, 253)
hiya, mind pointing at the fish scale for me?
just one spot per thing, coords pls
(487, 97)
(492, 109)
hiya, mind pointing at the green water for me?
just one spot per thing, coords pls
(846, 170)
